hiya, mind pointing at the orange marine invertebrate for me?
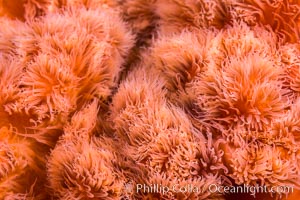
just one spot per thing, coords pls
(10, 74)
(251, 164)
(100, 98)
(290, 60)
(265, 158)
(78, 169)
(281, 15)
(287, 129)
(85, 169)
(23, 9)
(177, 15)
(141, 17)
(20, 166)
(90, 4)
(180, 57)
(242, 86)
(157, 138)
(246, 92)
(60, 74)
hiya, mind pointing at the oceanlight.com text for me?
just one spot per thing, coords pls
(212, 188)
(250, 189)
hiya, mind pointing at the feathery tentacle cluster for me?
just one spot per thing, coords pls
(205, 92)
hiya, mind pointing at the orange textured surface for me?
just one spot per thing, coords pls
(157, 99)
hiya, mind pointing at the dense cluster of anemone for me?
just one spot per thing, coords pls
(97, 96)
